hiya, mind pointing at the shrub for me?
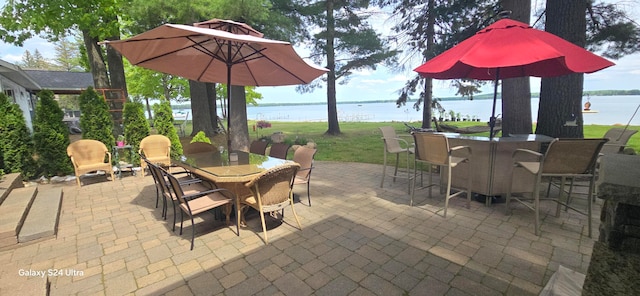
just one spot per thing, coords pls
(136, 127)
(16, 147)
(163, 122)
(51, 137)
(95, 119)
(201, 137)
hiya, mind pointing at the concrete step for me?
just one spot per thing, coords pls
(42, 220)
(8, 182)
(13, 212)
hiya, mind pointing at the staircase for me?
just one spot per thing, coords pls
(27, 214)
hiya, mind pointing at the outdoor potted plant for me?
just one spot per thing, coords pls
(452, 115)
(120, 141)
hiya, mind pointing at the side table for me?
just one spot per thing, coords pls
(116, 157)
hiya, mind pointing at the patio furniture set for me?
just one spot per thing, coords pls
(502, 167)
(210, 178)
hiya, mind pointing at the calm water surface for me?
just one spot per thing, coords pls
(610, 110)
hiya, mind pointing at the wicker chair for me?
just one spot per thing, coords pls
(157, 149)
(279, 150)
(392, 145)
(433, 149)
(564, 159)
(258, 147)
(89, 156)
(304, 157)
(272, 192)
(195, 199)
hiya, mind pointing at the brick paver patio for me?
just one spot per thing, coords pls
(357, 239)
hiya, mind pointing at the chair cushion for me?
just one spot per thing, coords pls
(206, 203)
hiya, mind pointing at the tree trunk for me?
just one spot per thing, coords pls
(516, 92)
(203, 107)
(561, 97)
(428, 82)
(238, 130)
(332, 110)
(116, 69)
(96, 61)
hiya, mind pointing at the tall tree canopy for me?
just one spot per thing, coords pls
(344, 41)
(426, 28)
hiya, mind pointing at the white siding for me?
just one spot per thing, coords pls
(20, 96)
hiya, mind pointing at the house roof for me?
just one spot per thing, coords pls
(17, 75)
(61, 82)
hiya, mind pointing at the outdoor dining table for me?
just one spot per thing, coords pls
(217, 168)
(491, 162)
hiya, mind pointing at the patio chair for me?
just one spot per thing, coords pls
(163, 190)
(392, 145)
(433, 149)
(157, 149)
(279, 150)
(258, 147)
(196, 199)
(272, 191)
(304, 157)
(198, 147)
(564, 159)
(618, 138)
(89, 156)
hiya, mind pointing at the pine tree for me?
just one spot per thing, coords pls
(136, 126)
(163, 122)
(16, 148)
(95, 120)
(51, 137)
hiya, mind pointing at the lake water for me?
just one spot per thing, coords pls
(610, 110)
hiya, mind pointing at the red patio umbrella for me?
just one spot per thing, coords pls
(508, 49)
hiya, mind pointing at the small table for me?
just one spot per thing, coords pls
(116, 158)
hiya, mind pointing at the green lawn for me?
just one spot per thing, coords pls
(361, 141)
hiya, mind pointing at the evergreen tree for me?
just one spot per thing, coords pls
(136, 126)
(51, 137)
(345, 42)
(95, 120)
(16, 147)
(163, 122)
(426, 28)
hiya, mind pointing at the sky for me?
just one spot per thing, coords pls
(384, 83)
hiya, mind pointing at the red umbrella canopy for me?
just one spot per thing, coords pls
(517, 49)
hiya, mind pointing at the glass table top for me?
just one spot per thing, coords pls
(218, 164)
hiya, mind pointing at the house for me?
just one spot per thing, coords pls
(23, 85)
(21, 88)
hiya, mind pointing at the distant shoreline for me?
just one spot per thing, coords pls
(633, 92)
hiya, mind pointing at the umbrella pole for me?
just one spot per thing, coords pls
(492, 120)
(229, 108)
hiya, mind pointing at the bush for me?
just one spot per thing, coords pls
(136, 127)
(163, 122)
(95, 119)
(51, 137)
(16, 147)
(201, 137)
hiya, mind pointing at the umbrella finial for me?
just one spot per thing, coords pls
(504, 14)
